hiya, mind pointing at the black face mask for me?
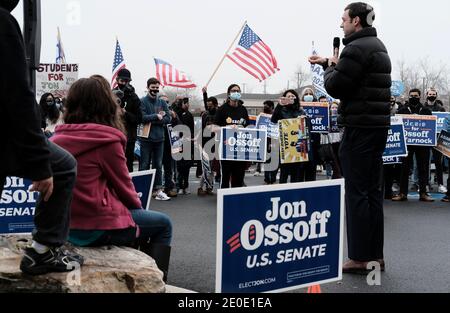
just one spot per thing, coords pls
(8, 5)
(212, 110)
(414, 101)
(153, 93)
(267, 110)
(432, 99)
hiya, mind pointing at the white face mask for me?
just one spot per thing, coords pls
(235, 96)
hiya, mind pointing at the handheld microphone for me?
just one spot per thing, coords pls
(336, 46)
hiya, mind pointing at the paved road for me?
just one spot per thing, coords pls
(417, 246)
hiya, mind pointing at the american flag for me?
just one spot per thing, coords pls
(254, 56)
(60, 55)
(168, 75)
(118, 64)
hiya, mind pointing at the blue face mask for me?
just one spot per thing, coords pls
(235, 96)
(309, 98)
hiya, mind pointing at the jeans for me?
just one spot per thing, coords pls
(422, 155)
(152, 151)
(52, 218)
(168, 164)
(154, 227)
(361, 159)
(129, 153)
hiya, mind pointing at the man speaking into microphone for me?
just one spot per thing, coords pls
(361, 79)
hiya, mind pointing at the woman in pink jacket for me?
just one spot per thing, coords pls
(106, 209)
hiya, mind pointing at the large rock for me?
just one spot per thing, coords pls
(106, 269)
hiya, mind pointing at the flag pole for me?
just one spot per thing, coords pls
(225, 55)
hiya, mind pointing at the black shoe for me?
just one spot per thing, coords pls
(54, 260)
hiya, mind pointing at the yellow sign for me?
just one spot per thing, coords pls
(294, 140)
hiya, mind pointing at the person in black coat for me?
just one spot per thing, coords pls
(361, 79)
(26, 153)
(131, 104)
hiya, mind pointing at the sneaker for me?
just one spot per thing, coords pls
(257, 174)
(54, 260)
(201, 192)
(210, 192)
(161, 196)
(186, 192)
(442, 189)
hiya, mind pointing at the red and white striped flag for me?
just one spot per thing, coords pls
(118, 64)
(254, 56)
(168, 75)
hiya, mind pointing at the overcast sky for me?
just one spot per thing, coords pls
(194, 35)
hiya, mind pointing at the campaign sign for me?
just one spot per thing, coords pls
(55, 78)
(143, 183)
(176, 142)
(420, 130)
(441, 116)
(319, 112)
(263, 122)
(392, 160)
(443, 144)
(18, 205)
(397, 88)
(252, 120)
(279, 238)
(243, 144)
(396, 141)
(294, 140)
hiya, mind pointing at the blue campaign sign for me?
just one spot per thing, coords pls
(420, 130)
(396, 142)
(441, 116)
(18, 205)
(319, 112)
(263, 122)
(143, 183)
(397, 88)
(279, 238)
(243, 144)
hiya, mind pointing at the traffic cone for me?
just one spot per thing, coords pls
(314, 289)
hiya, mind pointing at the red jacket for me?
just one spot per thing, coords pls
(103, 192)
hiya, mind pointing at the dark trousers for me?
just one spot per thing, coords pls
(290, 170)
(183, 168)
(52, 218)
(391, 173)
(270, 177)
(423, 158)
(152, 152)
(361, 159)
(438, 159)
(308, 171)
(168, 165)
(129, 153)
(234, 171)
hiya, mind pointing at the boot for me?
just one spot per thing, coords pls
(160, 253)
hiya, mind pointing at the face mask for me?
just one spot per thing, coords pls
(153, 93)
(309, 98)
(50, 103)
(212, 110)
(432, 98)
(414, 101)
(235, 96)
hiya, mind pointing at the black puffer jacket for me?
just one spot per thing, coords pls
(362, 81)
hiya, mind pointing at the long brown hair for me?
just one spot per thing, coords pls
(90, 100)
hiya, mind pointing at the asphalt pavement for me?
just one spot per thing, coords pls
(417, 245)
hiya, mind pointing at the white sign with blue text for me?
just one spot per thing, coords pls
(18, 205)
(279, 238)
(243, 144)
